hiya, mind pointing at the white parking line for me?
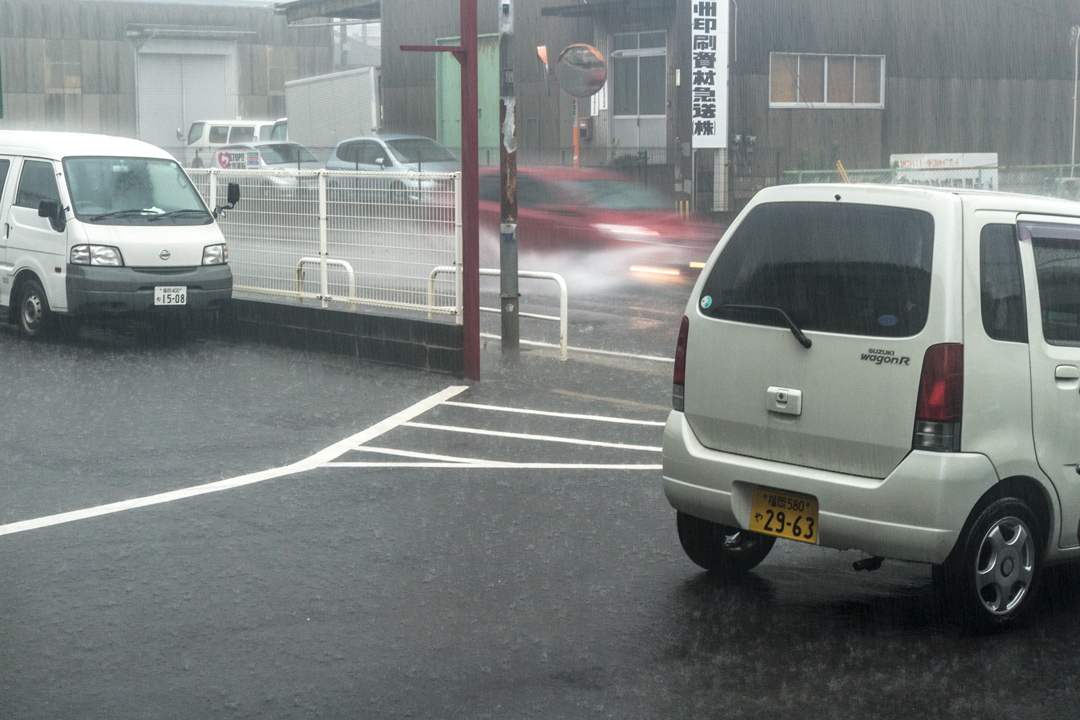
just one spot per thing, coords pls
(451, 461)
(528, 436)
(328, 457)
(496, 464)
(548, 413)
(317, 460)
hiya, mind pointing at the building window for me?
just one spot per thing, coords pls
(63, 67)
(639, 69)
(826, 81)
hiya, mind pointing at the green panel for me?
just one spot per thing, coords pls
(448, 94)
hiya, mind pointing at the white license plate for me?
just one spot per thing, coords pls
(170, 295)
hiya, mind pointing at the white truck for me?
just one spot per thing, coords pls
(326, 109)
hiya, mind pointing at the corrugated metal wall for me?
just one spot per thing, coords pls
(72, 65)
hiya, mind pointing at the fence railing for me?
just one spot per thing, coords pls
(562, 318)
(343, 238)
(1062, 181)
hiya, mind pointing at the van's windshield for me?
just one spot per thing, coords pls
(133, 191)
(195, 132)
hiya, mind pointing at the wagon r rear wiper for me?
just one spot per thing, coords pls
(799, 334)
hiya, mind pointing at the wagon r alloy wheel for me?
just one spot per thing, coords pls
(1005, 567)
(992, 575)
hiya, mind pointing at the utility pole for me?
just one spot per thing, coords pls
(508, 243)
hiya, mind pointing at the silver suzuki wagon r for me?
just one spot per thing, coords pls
(893, 369)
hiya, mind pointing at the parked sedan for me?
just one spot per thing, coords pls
(580, 211)
(282, 159)
(399, 158)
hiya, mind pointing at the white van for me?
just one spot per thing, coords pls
(891, 369)
(205, 137)
(91, 224)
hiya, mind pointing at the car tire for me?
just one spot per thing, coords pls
(720, 548)
(990, 579)
(34, 315)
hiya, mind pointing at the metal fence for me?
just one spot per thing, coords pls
(589, 154)
(1062, 181)
(343, 239)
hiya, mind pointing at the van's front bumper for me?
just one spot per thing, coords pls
(916, 513)
(101, 290)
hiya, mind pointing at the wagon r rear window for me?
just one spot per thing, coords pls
(832, 267)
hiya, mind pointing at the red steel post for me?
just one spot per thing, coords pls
(470, 190)
(470, 181)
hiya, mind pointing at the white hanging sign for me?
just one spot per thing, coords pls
(709, 73)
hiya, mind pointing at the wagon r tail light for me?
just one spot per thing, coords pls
(678, 386)
(941, 399)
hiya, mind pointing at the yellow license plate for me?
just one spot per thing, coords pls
(794, 517)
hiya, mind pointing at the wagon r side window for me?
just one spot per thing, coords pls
(1057, 271)
(1004, 314)
(38, 182)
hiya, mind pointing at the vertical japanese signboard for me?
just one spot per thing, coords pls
(709, 73)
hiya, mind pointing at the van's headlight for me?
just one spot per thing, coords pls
(100, 255)
(215, 254)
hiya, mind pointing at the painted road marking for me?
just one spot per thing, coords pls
(547, 413)
(329, 458)
(496, 464)
(317, 460)
(528, 436)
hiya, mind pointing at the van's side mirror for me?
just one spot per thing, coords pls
(179, 133)
(232, 196)
(55, 212)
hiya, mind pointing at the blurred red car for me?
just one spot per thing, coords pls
(571, 211)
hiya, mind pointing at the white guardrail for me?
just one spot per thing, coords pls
(561, 318)
(373, 236)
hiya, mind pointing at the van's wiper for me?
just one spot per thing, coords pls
(119, 213)
(174, 213)
(799, 334)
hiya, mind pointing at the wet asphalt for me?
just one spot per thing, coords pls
(442, 571)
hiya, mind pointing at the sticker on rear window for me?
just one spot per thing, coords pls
(888, 320)
(706, 302)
